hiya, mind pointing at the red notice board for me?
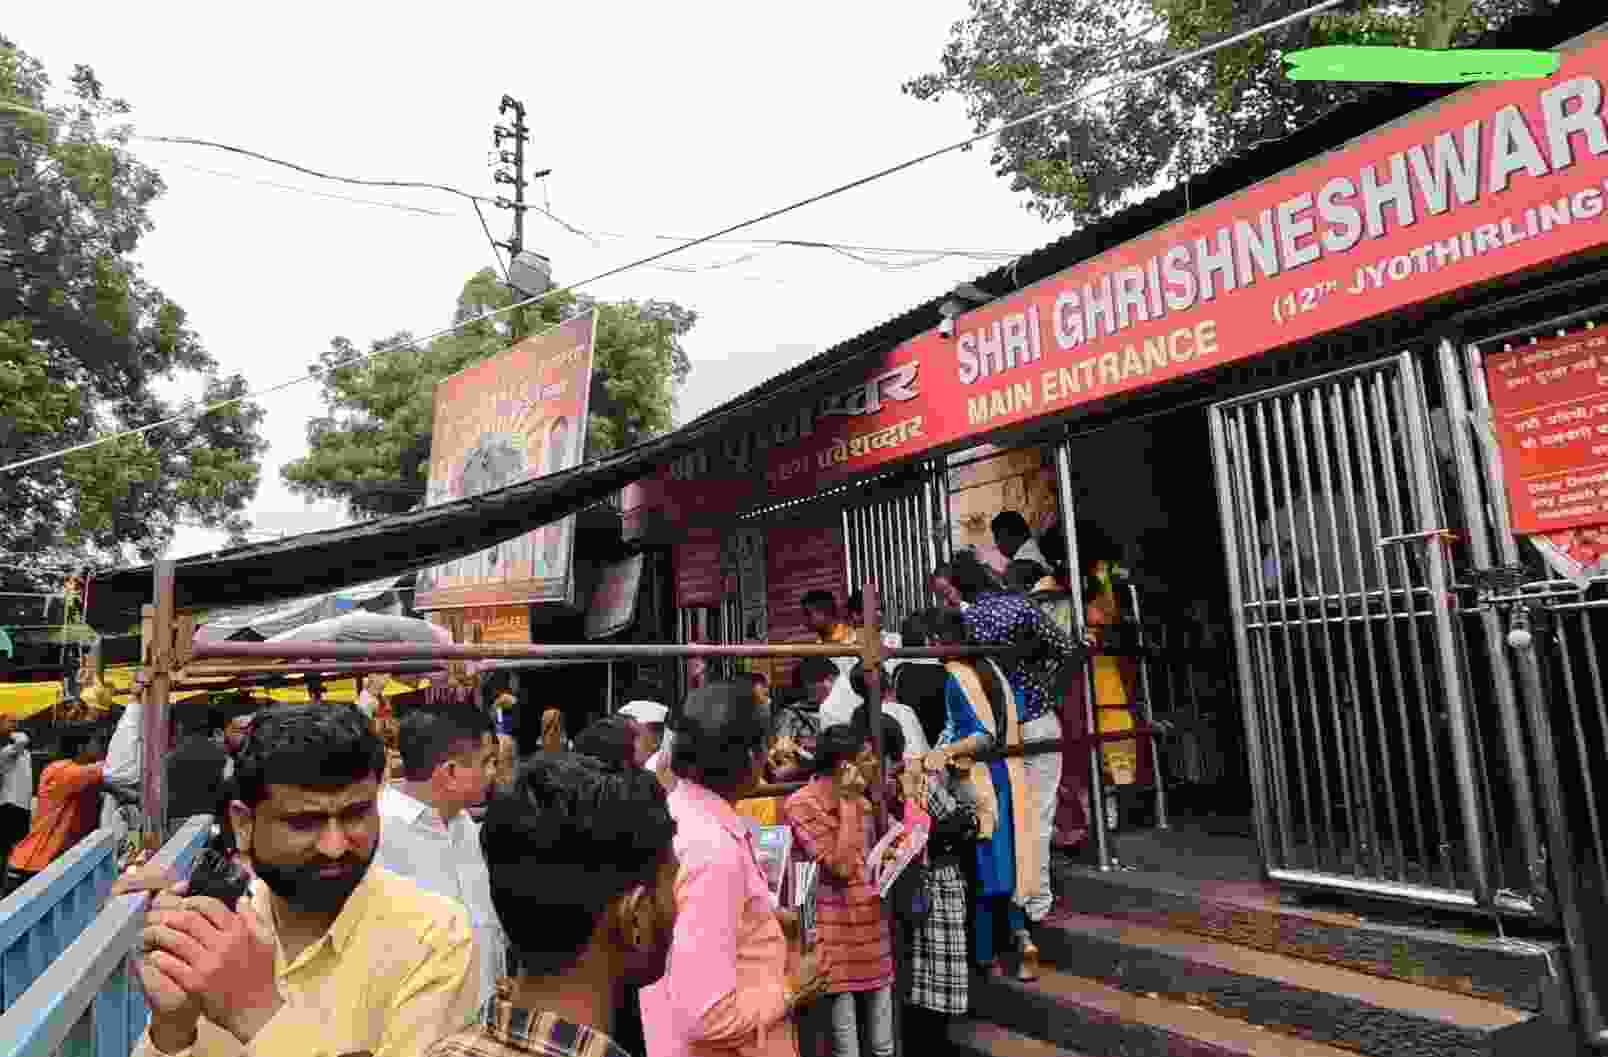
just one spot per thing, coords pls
(1549, 403)
(698, 574)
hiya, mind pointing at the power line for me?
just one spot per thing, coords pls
(610, 273)
(310, 191)
(359, 181)
(487, 229)
(591, 236)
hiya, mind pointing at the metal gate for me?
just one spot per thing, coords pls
(1354, 688)
(1548, 661)
(893, 539)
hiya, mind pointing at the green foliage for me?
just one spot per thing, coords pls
(1010, 58)
(84, 336)
(371, 449)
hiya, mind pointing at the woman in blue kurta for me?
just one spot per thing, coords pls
(981, 716)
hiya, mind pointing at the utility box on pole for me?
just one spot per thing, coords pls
(530, 274)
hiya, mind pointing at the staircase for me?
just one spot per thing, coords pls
(1156, 965)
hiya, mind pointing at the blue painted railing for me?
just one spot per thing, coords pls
(87, 1003)
(39, 920)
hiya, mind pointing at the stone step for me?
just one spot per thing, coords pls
(976, 1038)
(1080, 1015)
(1356, 1011)
(1519, 973)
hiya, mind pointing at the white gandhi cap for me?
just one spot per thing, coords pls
(645, 712)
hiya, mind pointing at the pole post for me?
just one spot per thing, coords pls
(871, 661)
(521, 134)
(1534, 625)
(516, 243)
(158, 655)
(1096, 808)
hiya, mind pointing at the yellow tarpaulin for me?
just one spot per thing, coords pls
(344, 692)
(26, 700)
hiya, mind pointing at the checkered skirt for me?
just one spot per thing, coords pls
(939, 970)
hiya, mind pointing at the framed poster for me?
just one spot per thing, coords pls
(517, 416)
(613, 605)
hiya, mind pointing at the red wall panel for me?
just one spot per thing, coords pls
(801, 557)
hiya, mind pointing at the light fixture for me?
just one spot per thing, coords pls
(973, 293)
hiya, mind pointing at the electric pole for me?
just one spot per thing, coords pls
(529, 274)
(515, 245)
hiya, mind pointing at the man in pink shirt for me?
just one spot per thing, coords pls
(727, 990)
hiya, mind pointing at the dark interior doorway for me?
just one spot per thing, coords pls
(1145, 497)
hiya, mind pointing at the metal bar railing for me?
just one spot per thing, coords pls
(88, 995)
(400, 651)
(43, 917)
(328, 671)
(1038, 747)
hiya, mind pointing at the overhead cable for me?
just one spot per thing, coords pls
(591, 236)
(400, 206)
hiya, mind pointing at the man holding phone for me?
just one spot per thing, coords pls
(328, 954)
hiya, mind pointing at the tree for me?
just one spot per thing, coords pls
(371, 449)
(84, 336)
(1010, 58)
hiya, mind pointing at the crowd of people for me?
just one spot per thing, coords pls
(417, 889)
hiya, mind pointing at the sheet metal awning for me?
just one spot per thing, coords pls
(388, 547)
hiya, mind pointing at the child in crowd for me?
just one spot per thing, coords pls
(831, 820)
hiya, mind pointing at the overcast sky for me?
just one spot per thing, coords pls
(656, 119)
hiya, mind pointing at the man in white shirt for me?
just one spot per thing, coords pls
(16, 786)
(1015, 540)
(915, 739)
(124, 765)
(448, 760)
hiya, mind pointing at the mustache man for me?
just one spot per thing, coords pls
(327, 953)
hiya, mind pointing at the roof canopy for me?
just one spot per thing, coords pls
(386, 547)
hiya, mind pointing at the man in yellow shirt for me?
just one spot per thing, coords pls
(327, 954)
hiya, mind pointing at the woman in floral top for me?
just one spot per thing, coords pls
(1041, 657)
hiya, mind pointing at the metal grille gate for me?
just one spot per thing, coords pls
(1550, 678)
(1354, 690)
(893, 538)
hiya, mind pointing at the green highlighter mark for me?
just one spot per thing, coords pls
(1345, 62)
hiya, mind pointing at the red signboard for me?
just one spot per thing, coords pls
(800, 557)
(697, 569)
(1489, 182)
(1550, 405)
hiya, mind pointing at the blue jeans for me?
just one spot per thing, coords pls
(985, 921)
(872, 1010)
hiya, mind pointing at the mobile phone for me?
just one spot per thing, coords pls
(217, 876)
